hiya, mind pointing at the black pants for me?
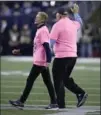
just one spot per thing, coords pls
(62, 68)
(34, 73)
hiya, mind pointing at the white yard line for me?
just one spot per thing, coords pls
(16, 93)
(24, 73)
(40, 82)
(40, 87)
(86, 68)
(14, 72)
(23, 79)
(30, 59)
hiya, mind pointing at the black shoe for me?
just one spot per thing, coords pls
(17, 104)
(62, 106)
(52, 107)
(81, 99)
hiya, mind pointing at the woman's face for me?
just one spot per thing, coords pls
(38, 19)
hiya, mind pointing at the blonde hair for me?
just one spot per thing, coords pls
(44, 16)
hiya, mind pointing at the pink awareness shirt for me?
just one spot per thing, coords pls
(39, 54)
(65, 33)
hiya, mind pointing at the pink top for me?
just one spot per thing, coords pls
(39, 54)
(65, 33)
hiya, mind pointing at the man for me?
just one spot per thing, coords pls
(41, 58)
(63, 36)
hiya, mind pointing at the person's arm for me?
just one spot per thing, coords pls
(45, 42)
(54, 35)
(77, 17)
(48, 51)
(52, 42)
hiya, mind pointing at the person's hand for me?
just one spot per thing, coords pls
(16, 51)
(75, 8)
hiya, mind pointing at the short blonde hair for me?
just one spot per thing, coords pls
(44, 16)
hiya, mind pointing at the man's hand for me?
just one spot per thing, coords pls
(75, 8)
(16, 51)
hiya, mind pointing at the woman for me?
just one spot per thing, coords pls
(41, 58)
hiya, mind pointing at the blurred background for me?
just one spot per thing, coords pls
(17, 18)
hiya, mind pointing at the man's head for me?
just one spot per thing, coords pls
(61, 13)
(41, 17)
(74, 8)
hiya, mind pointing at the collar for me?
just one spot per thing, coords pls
(43, 24)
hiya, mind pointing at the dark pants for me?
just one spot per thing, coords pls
(34, 73)
(62, 68)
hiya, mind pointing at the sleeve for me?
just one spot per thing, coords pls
(78, 18)
(44, 37)
(52, 42)
(48, 52)
(78, 21)
(54, 32)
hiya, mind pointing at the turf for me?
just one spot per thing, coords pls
(12, 85)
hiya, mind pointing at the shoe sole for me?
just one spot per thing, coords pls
(21, 108)
(83, 100)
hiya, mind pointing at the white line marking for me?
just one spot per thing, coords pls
(18, 72)
(41, 87)
(30, 59)
(23, 78)
(40, 82)
(85, 68)
(7, 73)
(16, 93)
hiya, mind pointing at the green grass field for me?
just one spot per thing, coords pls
(13, 79)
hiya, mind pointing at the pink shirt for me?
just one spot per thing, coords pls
(39, 54)
(65, 33)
